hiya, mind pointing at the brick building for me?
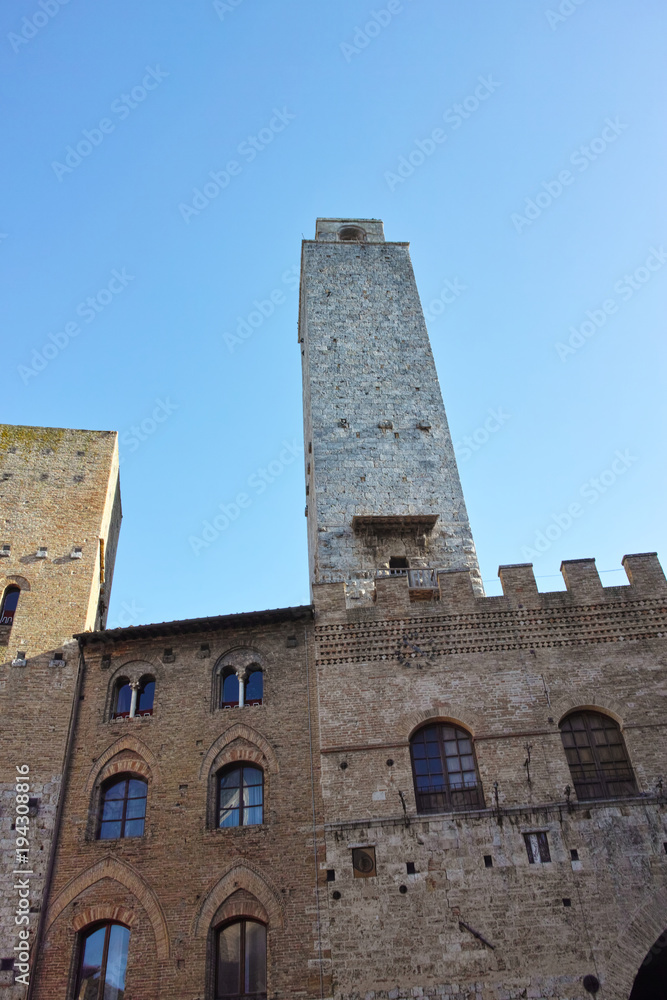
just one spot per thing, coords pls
(403, 789)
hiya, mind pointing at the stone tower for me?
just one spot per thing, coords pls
(383, 490)
(59, 522)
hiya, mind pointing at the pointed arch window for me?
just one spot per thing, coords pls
(103, 963)
(10, 602)
(241, 960)
(445, 769)
(597, 757)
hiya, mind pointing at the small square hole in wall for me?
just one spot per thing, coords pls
(665, 846)
(6, 964)
(410, 867)
(292, 641)
(574, 855)
(331, 875)
(168, 656)
(488, 861)
(567, 902)
(204, 651)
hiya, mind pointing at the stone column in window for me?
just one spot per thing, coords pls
(241, 673)
(135, 694)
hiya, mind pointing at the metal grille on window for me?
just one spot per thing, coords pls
(537, 848)
(445, 771)
(597, 756)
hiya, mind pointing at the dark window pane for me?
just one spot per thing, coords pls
(114, 982)
(110, 831)
(252, 776)
(9, 605)
(229, 798)
(229, 817)
(123, 699)
(136, 808)
(230, 690)
(446, 778)
(229, 961)
(254, 686)
(231, 779)
(146, 697)
(134, 828)
(113, 809)
(138, 789)
(255, 958)
(116, 791)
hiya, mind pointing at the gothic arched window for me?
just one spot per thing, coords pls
(241, 960)
(103, 963)
(240, 795)
(444, 769)
(596, 753)
(123, 808)
(10, 601)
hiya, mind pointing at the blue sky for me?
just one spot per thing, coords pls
(540, 199)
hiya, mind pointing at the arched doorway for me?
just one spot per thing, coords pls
(651, 980)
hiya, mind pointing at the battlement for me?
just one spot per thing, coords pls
(455, 594)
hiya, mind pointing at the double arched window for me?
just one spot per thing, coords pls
(240, 800)
(230, 688)
(596, 753)
(241, 960)
(122, 808)
(444, 769)
(103, 963)
(125, 706)
(10, 602)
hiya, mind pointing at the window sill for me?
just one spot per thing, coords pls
(119, 719)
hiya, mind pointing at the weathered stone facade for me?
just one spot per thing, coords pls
(59, 493)
(519, 888)
(381, 476)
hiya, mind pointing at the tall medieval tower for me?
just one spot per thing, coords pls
(59, 521)
(383, 491)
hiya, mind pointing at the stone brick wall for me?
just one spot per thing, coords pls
(58, 489)
(508, 669)
(185, 875)
(377, 440)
